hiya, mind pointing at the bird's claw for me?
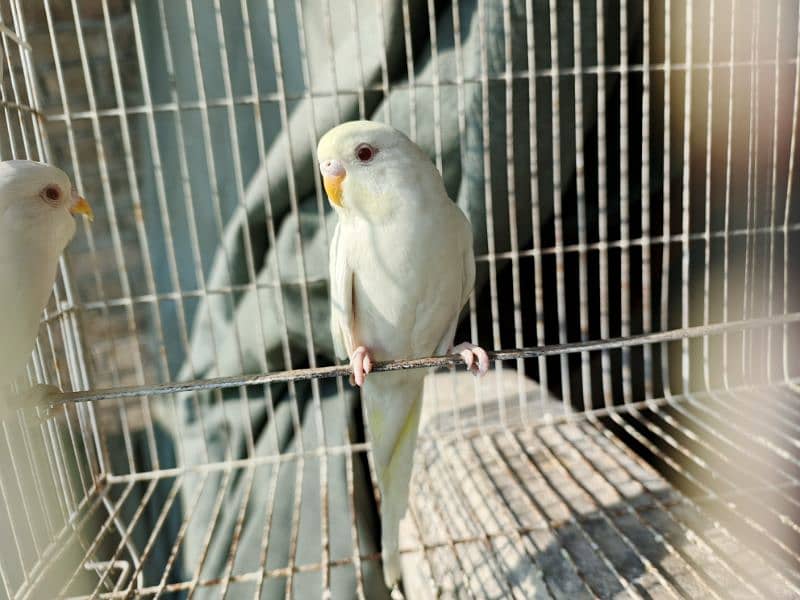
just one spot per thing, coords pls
(470, 352)
(361, 363)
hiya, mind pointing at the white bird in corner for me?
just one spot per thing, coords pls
(401, 270)
(37, 204)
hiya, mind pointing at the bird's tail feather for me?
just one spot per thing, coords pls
(393, 402)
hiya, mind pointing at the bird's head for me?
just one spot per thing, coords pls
(365, 164)
(39, 200)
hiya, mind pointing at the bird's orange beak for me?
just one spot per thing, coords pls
(81, 207)
(333, 174)
(333, 187)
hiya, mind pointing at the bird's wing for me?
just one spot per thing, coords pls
(469, 271)
(342, 317)
(467, 283)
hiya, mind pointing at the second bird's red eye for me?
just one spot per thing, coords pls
(365, 152)
(52, 193)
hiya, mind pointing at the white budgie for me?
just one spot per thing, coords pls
(37, 204)
(401, 270)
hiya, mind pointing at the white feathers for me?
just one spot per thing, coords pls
(36, 224)
(402, 268)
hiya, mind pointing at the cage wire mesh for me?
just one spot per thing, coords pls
(629, 169)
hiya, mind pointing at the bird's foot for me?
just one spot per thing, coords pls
(361, 363)
(471, 352)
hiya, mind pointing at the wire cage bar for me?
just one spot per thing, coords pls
(629, 170)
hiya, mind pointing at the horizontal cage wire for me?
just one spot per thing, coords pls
(629, 171)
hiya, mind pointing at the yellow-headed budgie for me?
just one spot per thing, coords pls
(401, 270)
(37, 204)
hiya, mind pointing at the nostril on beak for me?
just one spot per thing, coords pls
(332, 168)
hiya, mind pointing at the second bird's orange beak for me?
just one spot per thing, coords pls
(81, 207)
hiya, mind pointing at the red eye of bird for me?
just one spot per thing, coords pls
(365, 152)
(51, 194)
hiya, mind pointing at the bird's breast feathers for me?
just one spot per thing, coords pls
(407, 283)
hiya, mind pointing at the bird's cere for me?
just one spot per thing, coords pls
(80, 206)
(333, 173)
